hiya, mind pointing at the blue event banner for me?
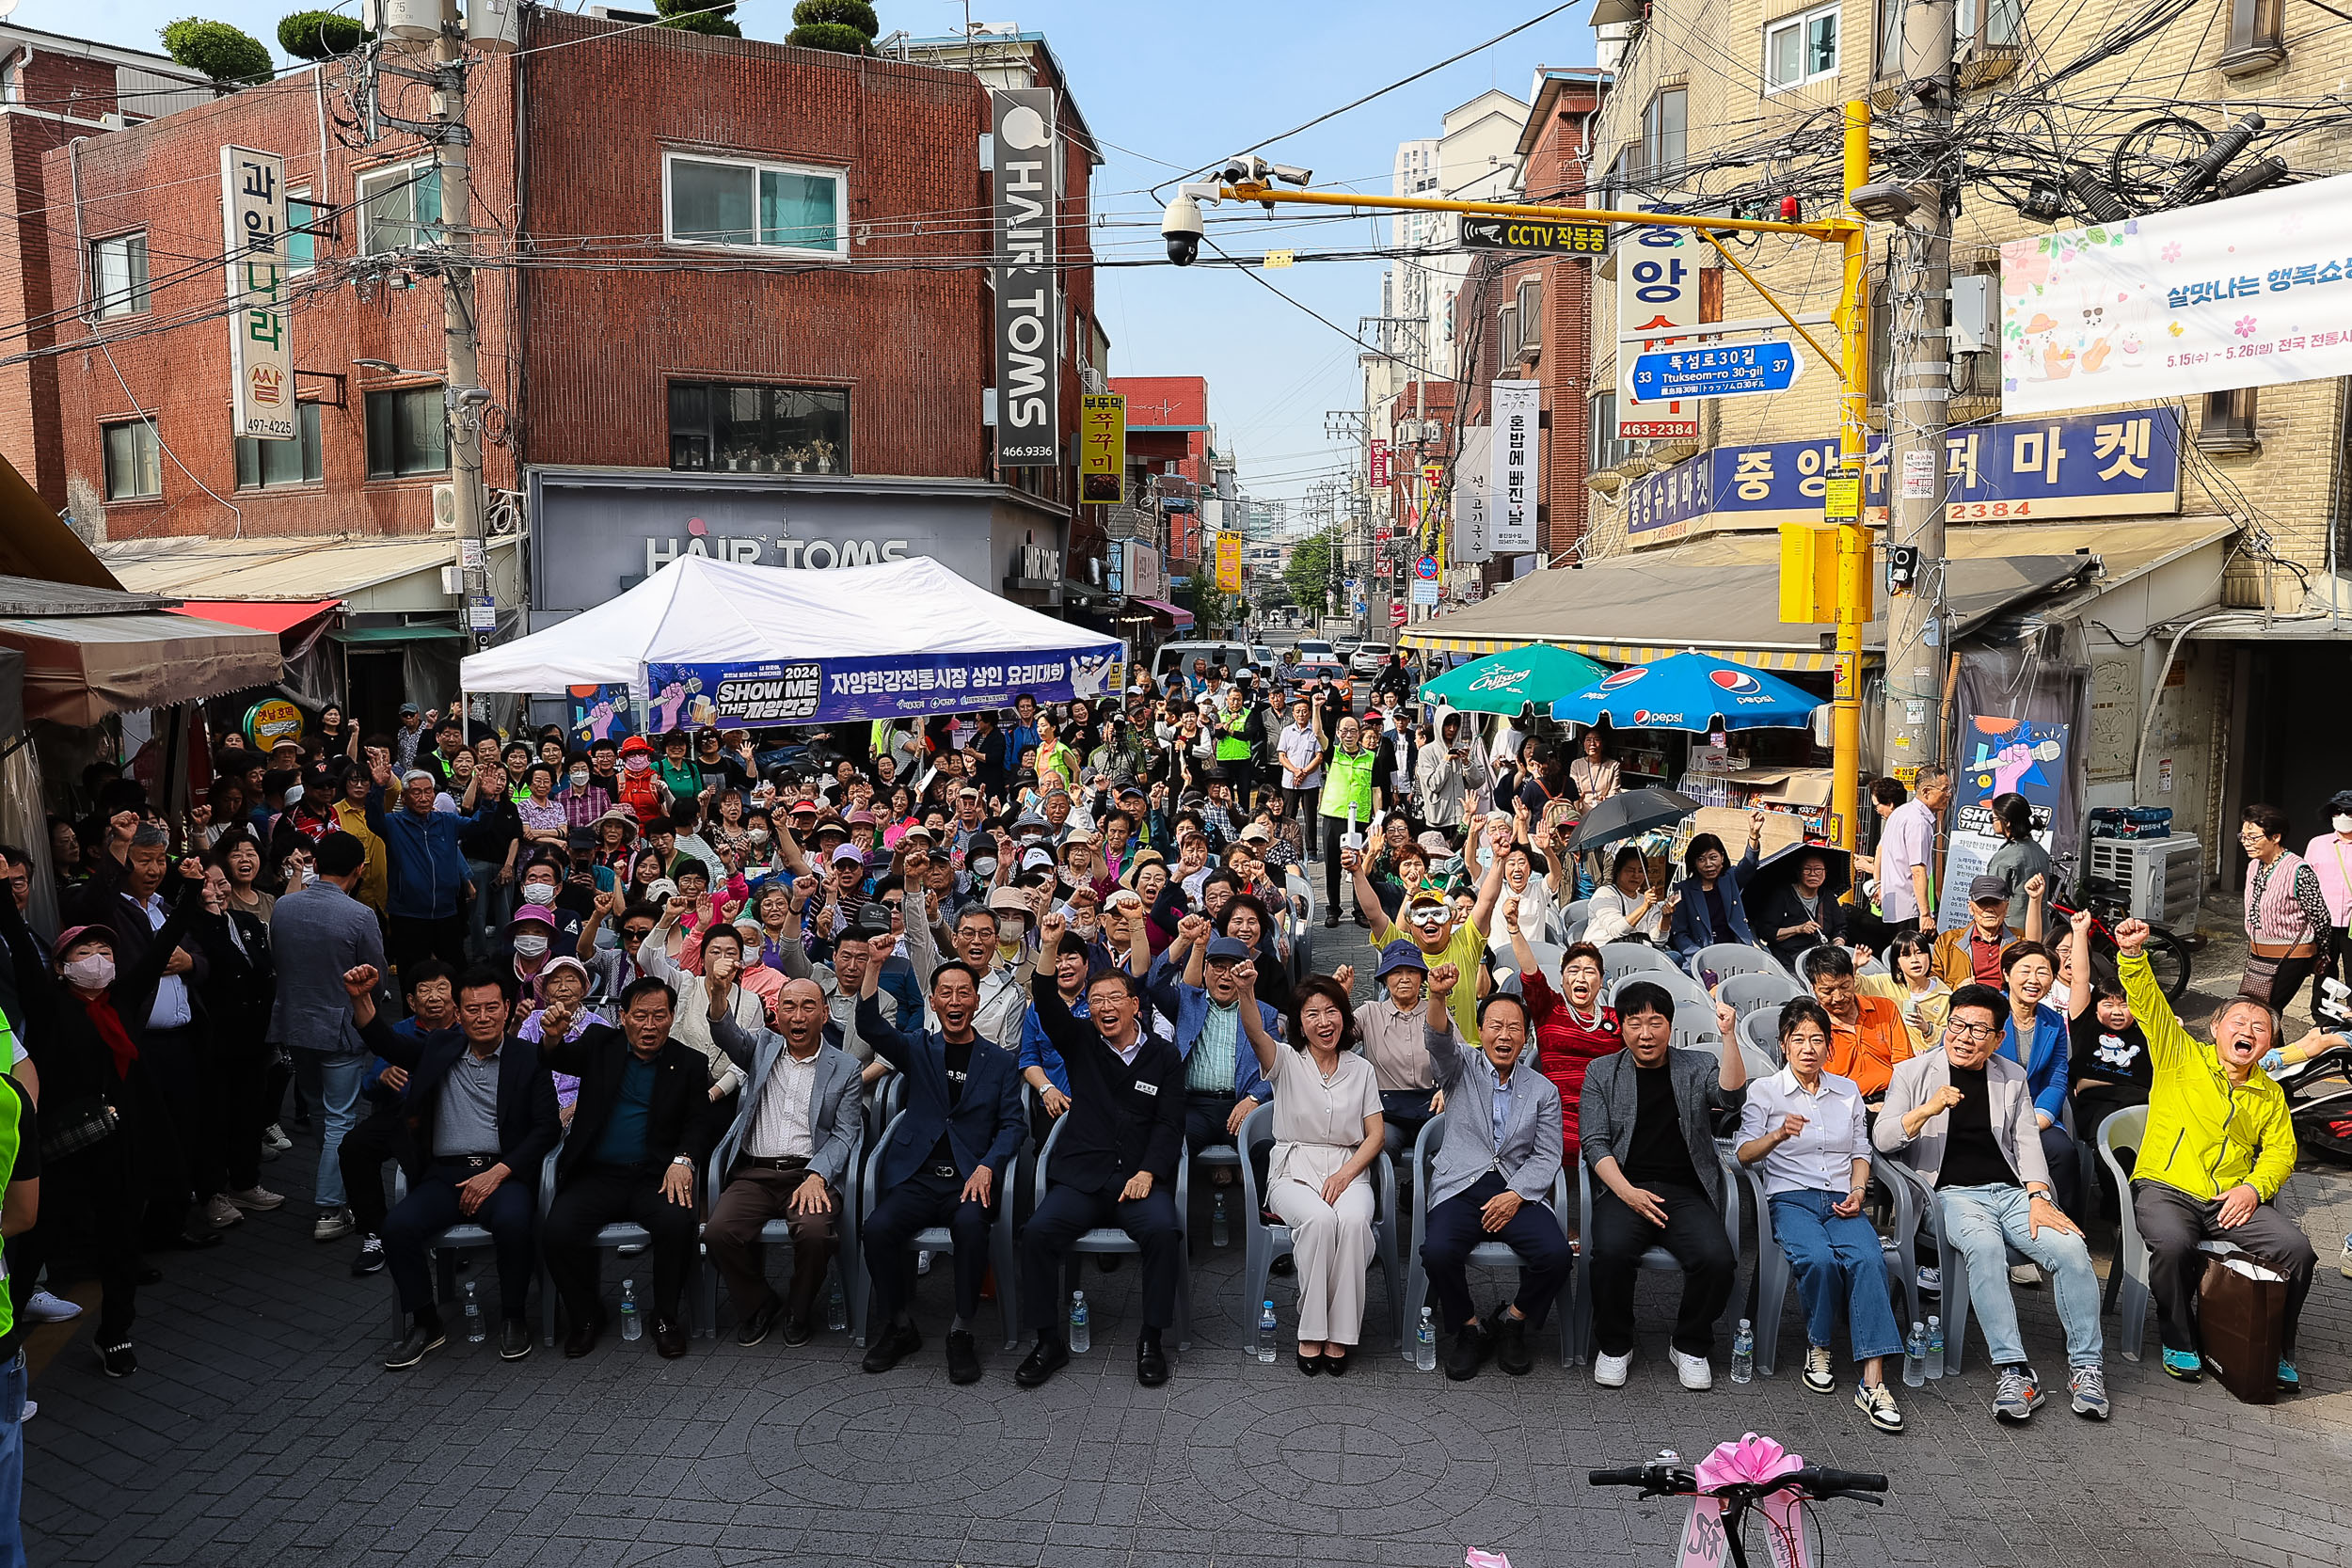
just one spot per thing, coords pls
(892, 686)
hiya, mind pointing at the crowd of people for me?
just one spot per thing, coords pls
(550, 985)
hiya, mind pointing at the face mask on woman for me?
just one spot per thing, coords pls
(639, 762)
(758, 835)
(91, 971)
(1008, 929)
(530, 946)
(579, 778)
(2343, 821)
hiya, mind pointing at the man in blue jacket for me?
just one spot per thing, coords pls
(959, 1130)
(429, 884)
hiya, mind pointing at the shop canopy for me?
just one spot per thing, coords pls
(1690, 692)
(1175, 615)
(89, 652)
(1507, 682)
(274, 616)
(720, 641)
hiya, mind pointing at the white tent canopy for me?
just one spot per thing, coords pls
(697, 610)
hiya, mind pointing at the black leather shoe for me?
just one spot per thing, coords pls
(896, 1342)
(964, 1358)
(582, 1338)
(796, 1329)
(418, 1342)
(1511, 1345)
(1050, 1357)
(195, 1240)
(1331, 920)
(514, 1339)
(151, 1275)
(1151, 1362)
(669, 1337)
(1470, 1347)
(754, 1328)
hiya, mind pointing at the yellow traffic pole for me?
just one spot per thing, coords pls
(1853, 542)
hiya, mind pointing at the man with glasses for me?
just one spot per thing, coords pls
(1962, 1118)
(1430, 923)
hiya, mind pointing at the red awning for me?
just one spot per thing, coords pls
(1174, 615)
(274, 616)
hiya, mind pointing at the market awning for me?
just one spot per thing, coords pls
(80, 668)
(1174, 615)
(274, 616)
(396, 634)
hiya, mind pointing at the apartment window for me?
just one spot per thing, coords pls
(1799, 49)
(2258, 38)
(1531, 304)
(755, 206)
(133, 461)
(118, 269)
(1607, 451)
(302, 246)
(399, 208)
(408, 433)
(727, 428)
(2228, 421)
(262, 464)
(1992, 23)
(1666, 132)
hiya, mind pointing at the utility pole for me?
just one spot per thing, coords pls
(1919, 393)
(462, 388)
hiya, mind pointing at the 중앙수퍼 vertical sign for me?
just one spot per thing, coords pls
(1516, 412)
(1028, 366)
(261, 353)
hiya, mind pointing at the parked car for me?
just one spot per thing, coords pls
(1262, 656)
(1370, 658)
(1178, 657)
(1313, 647)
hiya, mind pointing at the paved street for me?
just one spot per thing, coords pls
(261, 1432)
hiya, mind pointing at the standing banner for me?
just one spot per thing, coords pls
(261, 354)
(2250, 291)
(1028, 362)
(1997, 756)
(1102, 447)
(1229, 562)
(1518, 414)
(1658, 290)
(1474, 520)
(891, 685)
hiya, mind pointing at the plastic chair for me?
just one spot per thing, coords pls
(441, 1250)
(1724, 959)
(1109, 1238)
(1485, 1254)
(1272, 1239)
(1216, 1157)
(1760, 1032)
(1773, 1274)
(778, 1233)
(1547, 956)
(1627, 958)
(1753, 990)
(1691, 1003)
(1952, 1261)
(2128, 1292)
(941, 1240)
(1657, 1259)
(1574, 917)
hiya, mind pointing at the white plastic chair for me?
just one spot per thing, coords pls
(1724, 959)
(776, 1233)
(1692, 1005)
(1626, 958)
(1111, 1240)
(1760, 1032)
(1757, 993)
(1574, 917)
(441, 1250)
(2128, 1292)
(1773, 1274)
(1485, 1254)
(940, 1239)
(1952, 1261)
(1657, 1260)
(1272, 1239)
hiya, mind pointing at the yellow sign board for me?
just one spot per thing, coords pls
(1280, 257)
(271, 722)
(1102, 447)
(1841, 498)
(1229, 562)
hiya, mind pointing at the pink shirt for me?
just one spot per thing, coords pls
(2330, 860)
(1908, 841)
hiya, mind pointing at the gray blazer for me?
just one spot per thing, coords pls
(837, 1111)
(316, 934)
(2010, 1103)
(1612, 1101)
(1530, 1151)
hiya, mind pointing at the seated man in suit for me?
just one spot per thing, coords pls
(1114, 1161)
(1646, 1122)
(960, 1130)
(787, 1156)
(1492, 1177)
(483, 1116)
(638, 1135)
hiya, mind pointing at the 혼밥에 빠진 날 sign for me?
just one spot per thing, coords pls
(1025, 165)
(253, 234)
(2250, 291)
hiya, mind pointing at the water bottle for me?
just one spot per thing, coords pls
(1267, 1330)
(475, 1332)
(1081, 1334)
(632, 1326)
(1935, 1346)
(1743, 1352)
(1915, 1357)
(836, 1308)
(1425, 1343)
(1220, 1233)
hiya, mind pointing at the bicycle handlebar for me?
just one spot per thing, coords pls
(1813, 1480)
(1813, 1477)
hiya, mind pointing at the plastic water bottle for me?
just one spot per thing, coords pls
(632, 1326)
(1935, 1346)
(1743, 1352)
(1915, 1357)
(1425, 1343)
(836, 1308)
(1267, 1330)
(475, 1331)
(1081, 1333)
(1220, 1230)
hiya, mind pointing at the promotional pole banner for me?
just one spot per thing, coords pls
(1473, 522)
(261, 354)
(829, 691)
(1228, 564)
(1517, 413)
(1028, 362)
(1379, 462)
(2245, 292)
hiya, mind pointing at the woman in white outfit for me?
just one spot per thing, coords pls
(1327, 1130)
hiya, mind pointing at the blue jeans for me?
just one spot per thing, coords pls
(333, 1082)
(1984, 1222)
(1834, 1254)
(12, 1463)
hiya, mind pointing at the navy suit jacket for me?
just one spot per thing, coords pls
(530, 1125)
(983, 1129)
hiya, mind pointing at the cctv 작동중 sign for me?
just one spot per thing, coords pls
(1028, 366)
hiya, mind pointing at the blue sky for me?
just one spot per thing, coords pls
(1184, 82)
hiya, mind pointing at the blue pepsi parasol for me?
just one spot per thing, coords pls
(1690, 692)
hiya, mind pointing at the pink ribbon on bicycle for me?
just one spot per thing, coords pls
(1748, 1462)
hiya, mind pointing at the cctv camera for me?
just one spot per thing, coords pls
(1290, 174)
(1181, 227)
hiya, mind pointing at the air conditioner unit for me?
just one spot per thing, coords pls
(2161, 877)
(445, 506)
(1095, 381)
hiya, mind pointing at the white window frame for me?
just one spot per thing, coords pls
(137, 296)
(366, 189)
(1802, 22)
(838, 251)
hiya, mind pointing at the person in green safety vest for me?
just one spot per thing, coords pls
(1233, 749)
(1351, 796)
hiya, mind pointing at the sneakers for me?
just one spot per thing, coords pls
(118, 1361)
(370, 1258)
(1818, 1376)
(2089, 1385)
(2017, 1396)
(2290, 1381)
(1472, 1345)
(922, 1264)
(257, 1197)
(1695, 1372)
(420, 1341)
(1610, 1370)
(333, 1225)
(2344, 1258)
(2183, 1364)
(1931, 1281)
(274, 1137)
(2024, 1276)
(1511, 1351)
(221, 1214)
(42, 1307)
(1877, 1401)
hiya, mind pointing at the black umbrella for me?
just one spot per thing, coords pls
(1780, 870)
(1628, 815)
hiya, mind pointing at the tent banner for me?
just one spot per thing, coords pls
(827, 690)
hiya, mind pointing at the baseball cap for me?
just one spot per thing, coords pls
(660, 890)
(873, 920)
(1228, 948)
(409, 710)
(1987, 890)
(71, 934)
(1255, 833)
(849, 852)
(1036, 860)
(1400, 954)
(861, 818)
(581, 838)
